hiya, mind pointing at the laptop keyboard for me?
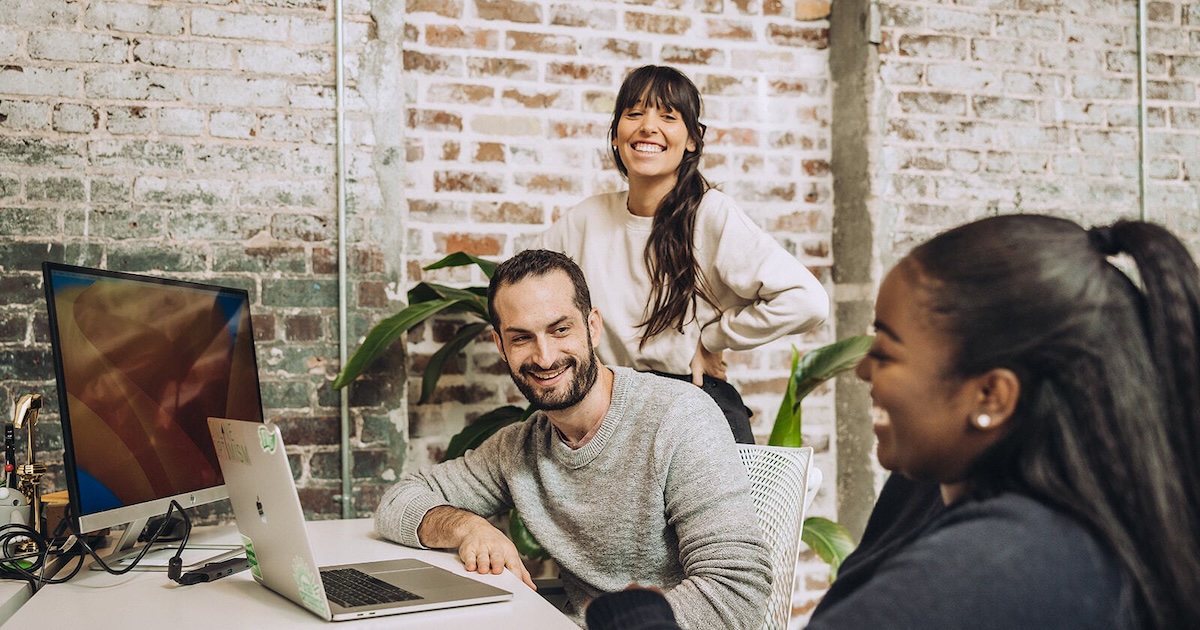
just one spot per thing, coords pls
(350, 587)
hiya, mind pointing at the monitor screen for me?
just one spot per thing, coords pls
(142, 363)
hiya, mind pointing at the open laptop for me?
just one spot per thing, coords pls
(267, 508)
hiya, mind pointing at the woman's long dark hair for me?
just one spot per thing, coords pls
(1107, 427)
(670, 255)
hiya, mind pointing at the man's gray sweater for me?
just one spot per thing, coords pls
(658, 497)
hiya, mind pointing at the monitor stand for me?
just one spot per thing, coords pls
(195, 555)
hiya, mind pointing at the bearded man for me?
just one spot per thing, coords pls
(622, 477)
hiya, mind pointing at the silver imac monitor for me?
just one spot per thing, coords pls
(141, 364)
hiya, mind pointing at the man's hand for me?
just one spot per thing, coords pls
(481, 547)
(705, 362)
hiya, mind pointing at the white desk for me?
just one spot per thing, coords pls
(98, 601)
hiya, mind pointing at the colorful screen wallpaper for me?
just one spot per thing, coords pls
(144, 366)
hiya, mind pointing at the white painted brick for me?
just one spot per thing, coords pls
(1162, 143)
(1021, 136)
(183, 191)
(311, 96)
(1068, 164)
(319, 31)
(11, 42)
(284, 128)
(1091, 34)
(1107, 142)
(82, 47)
(959, 22)
(138, 155)
(1168, 39)
(1061, 111)
(75, 118)
(235, 91)
(1127, 169)
(1059, 57)
(1024, 27)
(277, 193)
(225, 158)
(290, 4)
(960, 77)
(180, 121)
(137, 120)
(28, 115)
(278, 60)
(1103, 87)
(134, 85)
(228, 124)
(899, 74)
(134, 18)
(215, 23)
(35, 81)
(40, 13)
(1013, 52)
(197, 55)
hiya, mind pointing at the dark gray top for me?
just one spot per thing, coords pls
(1006, 562)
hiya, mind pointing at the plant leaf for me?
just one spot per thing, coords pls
(826, 362)
(461, 259)
(829, 540)
(433, 371)
(383, 334)
(523, 539)
(786, 430)
(468, 300)
(482, 428)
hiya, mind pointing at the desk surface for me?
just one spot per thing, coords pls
(97, 600)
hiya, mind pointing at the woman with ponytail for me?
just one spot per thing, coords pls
(1055, 397)
(680, 273)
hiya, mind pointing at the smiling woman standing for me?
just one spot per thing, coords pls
(679, 273)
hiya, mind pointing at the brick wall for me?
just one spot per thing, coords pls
(1032, 105)
(193, 140)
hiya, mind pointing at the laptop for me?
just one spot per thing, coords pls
(267, 508)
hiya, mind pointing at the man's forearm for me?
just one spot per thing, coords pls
(445, 527)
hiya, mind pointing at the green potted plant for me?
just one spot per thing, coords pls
(828, 539)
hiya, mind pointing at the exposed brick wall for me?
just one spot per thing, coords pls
(193, 140)
(1031, 105)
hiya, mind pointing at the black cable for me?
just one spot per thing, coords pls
(177, 559)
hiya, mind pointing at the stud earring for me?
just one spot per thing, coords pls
(983, 421)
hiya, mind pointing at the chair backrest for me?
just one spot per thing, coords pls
(779, 485)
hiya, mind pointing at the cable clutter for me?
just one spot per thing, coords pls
(28, 553)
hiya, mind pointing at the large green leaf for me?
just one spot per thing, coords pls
(787, 428)
(433, 370)
(461, 259)
(383, 334)
(826, 362)
(482, 428)
(829, 540)
(471, 300)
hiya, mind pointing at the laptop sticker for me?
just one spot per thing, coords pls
(251, 558)
(266, 439)
(308, 587)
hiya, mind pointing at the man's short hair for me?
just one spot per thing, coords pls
(538, 262)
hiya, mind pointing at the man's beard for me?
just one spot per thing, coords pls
(550, 400)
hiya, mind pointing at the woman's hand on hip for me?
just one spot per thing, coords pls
(705, 362)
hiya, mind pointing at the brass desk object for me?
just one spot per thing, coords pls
(30, 473)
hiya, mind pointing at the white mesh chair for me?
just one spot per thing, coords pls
(782, 484)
